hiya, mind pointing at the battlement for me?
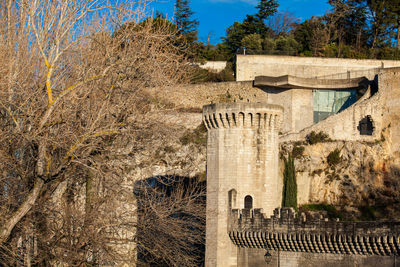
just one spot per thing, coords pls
(288, 231)
(243, 115)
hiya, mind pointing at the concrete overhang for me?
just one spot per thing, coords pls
(293, 82)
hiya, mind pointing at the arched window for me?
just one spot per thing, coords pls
(248, 202)
(232, 198)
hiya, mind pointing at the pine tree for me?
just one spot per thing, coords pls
(266, 8)
(186, 27)
(393, 10)
(379, 20)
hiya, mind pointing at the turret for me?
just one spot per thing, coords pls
(242, 169)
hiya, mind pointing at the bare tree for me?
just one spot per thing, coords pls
(71, 97)
(320, 35)
(282, 23)
(178, 204)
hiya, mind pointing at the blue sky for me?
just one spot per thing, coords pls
(217, 15)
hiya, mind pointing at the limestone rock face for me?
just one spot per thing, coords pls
(365, 175)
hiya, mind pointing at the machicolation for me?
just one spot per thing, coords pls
(232, 115)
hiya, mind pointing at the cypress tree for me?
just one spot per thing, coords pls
(186, 26)
(289, 198)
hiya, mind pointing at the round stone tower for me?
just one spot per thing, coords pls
(242, 169)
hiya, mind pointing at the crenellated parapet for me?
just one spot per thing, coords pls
(242, 115)
(288, 231)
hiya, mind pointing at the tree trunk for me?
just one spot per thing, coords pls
(25, 207)
(374, 40)
(358, 42)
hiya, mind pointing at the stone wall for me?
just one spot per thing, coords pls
(197, 95)
(295, 240)
(253, 257)
(389, 82)
(250, 66)
(297, 104)
(345, 125)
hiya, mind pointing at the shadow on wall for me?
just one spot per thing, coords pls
(171, 221)
(271, 90)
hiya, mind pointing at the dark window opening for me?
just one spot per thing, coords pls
(366, 126)
(248, 202)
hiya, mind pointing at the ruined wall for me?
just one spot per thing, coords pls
(242, 169)
(250, 66)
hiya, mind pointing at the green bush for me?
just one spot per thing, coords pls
(314, 138)
(307, 54)
(388, 53)
(289, 198)
(334, 158)
(252, 42)
(331, 50)
(288, 45)
(269, 45)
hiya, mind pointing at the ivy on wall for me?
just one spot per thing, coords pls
(289, 192)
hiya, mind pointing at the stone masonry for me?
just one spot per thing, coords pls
(242, 169)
